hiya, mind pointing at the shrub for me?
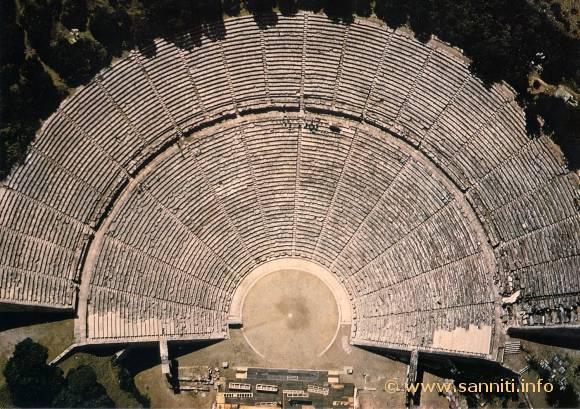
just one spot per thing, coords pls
(30, 380)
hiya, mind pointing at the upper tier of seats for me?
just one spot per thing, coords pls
(386, 220)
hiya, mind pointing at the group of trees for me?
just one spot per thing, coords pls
(506, 40)
(49, 46)
(558, 397)
(127, 383)
(34, 383)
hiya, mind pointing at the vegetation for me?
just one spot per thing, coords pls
(506, 41)
(55, 335)
(115, 375)
(82, 391)
(565, 13)
(127, 383)
(559, 397)
(33, 383)
(73, 39)
(565, 398)
(74, 14)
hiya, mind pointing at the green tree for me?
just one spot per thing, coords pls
(312, 5)
(363, 8)
(562, 121)
(393, 12)
(141, 33)
(232, 7)
(77, 63)
(260, 6)
(339, 10)
(83, 391)
(167, 17)
(30, 380)
(14, 140)
(127, 383)
(566, 398)
(38, 95)
(12, 43)
(37, 19)
(111, 28)
(74, 14)
(209, 9)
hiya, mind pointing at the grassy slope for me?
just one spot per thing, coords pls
(56, 336)
(106, 375)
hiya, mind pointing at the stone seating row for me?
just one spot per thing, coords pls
(285, 187)
(118, 315)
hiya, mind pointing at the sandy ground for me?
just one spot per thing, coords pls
(290, 318)
(370, 371)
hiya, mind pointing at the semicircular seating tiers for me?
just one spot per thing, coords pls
(154, 190)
